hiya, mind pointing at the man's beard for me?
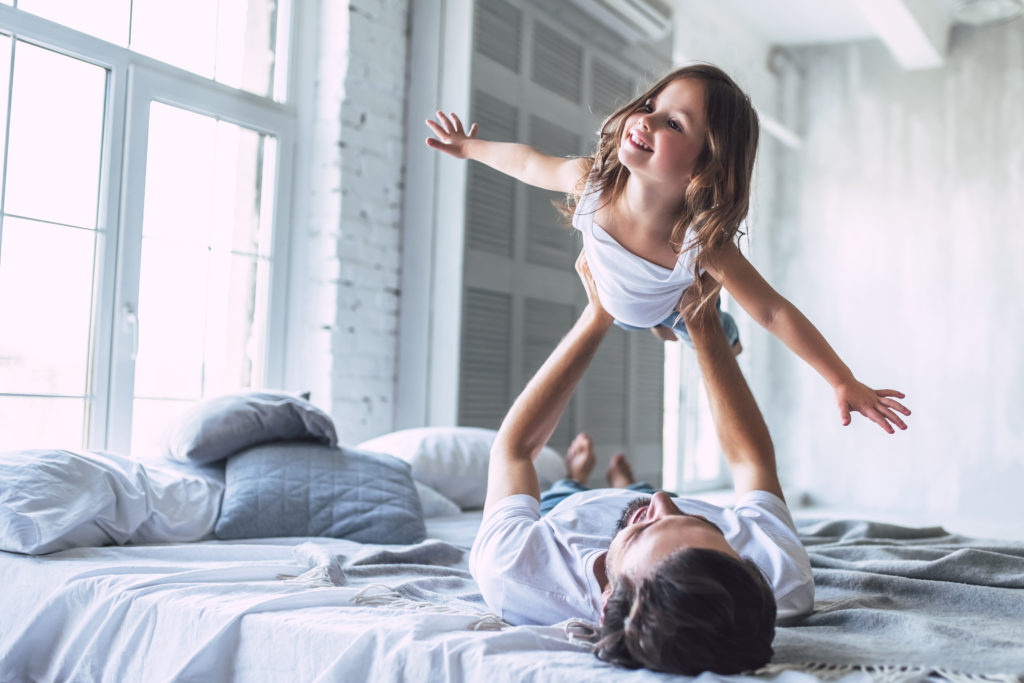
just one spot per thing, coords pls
(627, 512)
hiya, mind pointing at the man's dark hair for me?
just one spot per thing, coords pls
(700, 610)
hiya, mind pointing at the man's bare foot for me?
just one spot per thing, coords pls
(619, 474)
(737, 349)
(663, 333)
(580, 458)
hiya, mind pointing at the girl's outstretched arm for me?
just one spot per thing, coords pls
(784, 320)
(522, 162)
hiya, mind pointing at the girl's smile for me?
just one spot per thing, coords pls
(664, 136)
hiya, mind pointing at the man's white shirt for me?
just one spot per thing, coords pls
(540, 570)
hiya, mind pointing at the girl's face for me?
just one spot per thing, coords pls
(663, 138)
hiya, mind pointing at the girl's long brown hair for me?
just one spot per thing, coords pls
(718, 196)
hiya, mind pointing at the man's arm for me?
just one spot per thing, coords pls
(532, 419)
(744, 436)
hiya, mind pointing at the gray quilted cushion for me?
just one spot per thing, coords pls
(304, 489)
(217, 427)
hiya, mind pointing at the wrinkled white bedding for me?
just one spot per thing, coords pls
(217, 611)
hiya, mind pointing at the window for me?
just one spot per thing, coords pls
(141, 215)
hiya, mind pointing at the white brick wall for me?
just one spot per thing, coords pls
(345, 280)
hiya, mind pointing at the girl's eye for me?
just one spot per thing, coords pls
(646, 106)
(675, 125)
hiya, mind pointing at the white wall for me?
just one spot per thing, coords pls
(899, 233)
(343, 299)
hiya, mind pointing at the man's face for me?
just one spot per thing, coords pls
(651, 529)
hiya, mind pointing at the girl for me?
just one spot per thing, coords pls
(660, 203)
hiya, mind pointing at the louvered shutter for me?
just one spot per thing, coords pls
(557, 62)
(544, 325)
(550, 241)
(609, 89)
(490, 195)
(498, 32)
(484, 366)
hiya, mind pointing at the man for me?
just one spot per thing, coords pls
(678, 585)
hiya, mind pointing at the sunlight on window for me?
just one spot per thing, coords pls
(204, 290)
(105, 19)
(45, 304)
(53, 164)
(231, 40)
(5, 76)
(27, 422)
(47, 271)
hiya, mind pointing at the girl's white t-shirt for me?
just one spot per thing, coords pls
(632, 289)
(540, 570)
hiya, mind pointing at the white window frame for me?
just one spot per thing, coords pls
(134, 81)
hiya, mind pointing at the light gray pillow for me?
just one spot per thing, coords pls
(303, 489)
(221, 426)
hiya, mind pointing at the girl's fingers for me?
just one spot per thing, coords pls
(447, 122)
(472, 131)
(844, 413)
(892, 417)
(891, 392)
(880, 421)
(895, 405)
(440, 132)
(458, 124)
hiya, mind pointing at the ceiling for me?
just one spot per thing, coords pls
(799, 22)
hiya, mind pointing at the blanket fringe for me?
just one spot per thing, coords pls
(886, 673)
(380, 595)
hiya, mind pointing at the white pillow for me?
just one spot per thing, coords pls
(434, 504)
(52, 500)
(453, 460)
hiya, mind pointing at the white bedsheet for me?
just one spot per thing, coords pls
(217, 611)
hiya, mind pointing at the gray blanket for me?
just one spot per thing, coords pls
(901, 603)
(890, 597)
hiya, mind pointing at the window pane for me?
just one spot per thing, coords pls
(235, 323)
(204, 287)
(233, 41)
(150, 418)
(5, 75)
(28, 422)
(105, 19)
(53, 165)
(179, 175)
(172, 317)
(245, 44)
(182, 33)
(46, 283)
(208, 182)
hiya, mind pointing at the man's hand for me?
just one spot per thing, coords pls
(452, 138)
(875, 404)
(587, 278)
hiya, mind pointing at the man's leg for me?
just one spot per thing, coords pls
(579, 463)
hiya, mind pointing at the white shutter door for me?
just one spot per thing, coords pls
(484, 366)
(609, 89)
(557, 62)
(490, 195)
(544, 325)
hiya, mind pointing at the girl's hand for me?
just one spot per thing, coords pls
(876, 405)
(452, 138)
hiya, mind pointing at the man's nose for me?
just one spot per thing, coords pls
(661, 505)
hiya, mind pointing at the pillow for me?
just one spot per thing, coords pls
(453, 460)
(218, 427)
(304, 489)
(434, 504)
(56, 499)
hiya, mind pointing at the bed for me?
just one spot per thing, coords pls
(893, 603)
